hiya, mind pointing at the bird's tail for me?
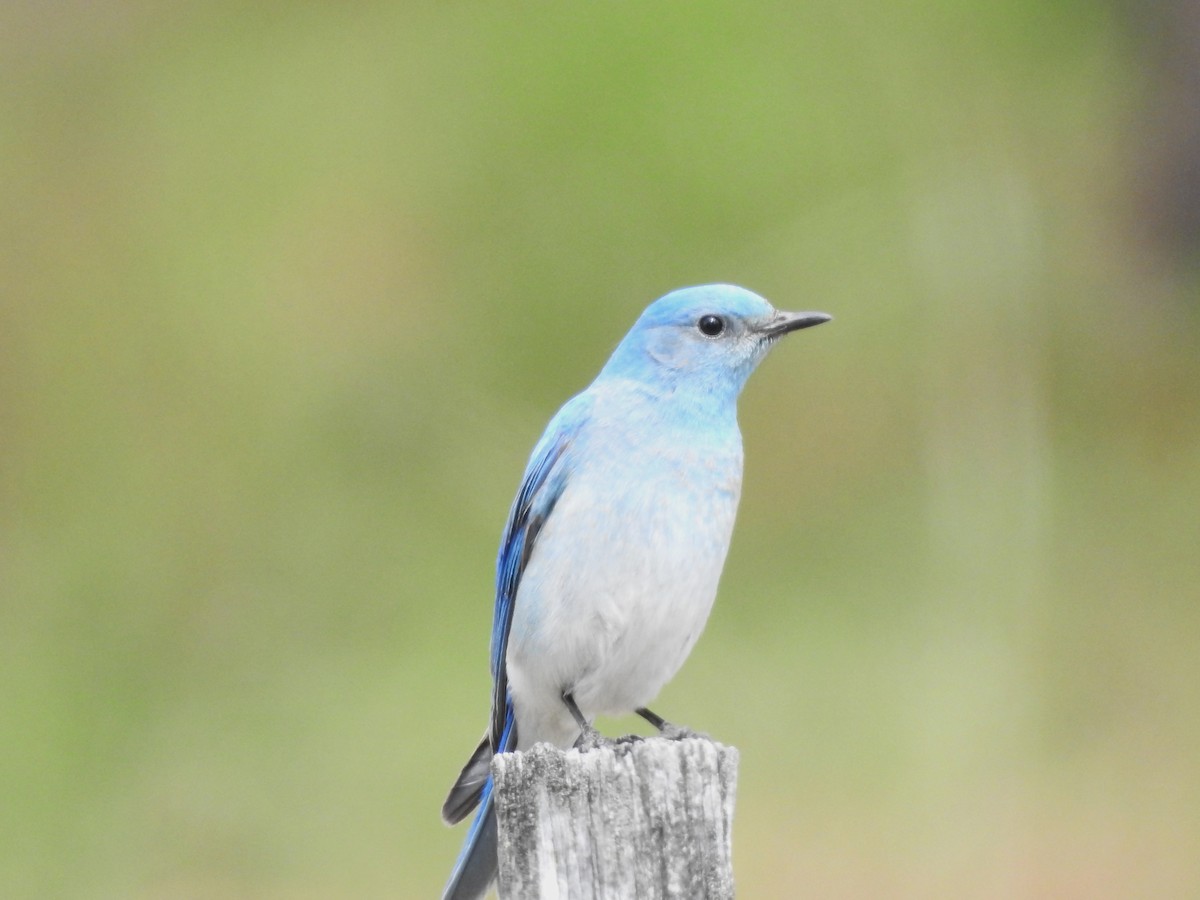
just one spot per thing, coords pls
(477, 863)
(468, 788)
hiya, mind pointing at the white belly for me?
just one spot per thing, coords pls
(617, 591)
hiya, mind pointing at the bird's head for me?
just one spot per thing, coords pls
(709, 337)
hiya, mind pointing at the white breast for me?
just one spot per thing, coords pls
(620, 583)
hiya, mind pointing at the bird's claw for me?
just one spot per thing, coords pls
(681, 733)
(591, 739)
(668, 731)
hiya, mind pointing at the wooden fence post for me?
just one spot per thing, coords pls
(646, 820)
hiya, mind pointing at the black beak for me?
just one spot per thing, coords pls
(793, 321)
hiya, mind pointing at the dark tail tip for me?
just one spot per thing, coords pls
(468, 788)
(477, 864)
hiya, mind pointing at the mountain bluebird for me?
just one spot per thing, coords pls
(610, 558)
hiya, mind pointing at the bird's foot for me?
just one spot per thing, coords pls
(591, 739)
(681, 733)
(669, 731)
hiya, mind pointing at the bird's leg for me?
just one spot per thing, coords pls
(666, 729)
(589, 738)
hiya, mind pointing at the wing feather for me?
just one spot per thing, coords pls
(544, 481)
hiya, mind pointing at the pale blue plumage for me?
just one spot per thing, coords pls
(615, 542)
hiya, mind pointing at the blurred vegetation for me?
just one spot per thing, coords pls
(287, 292)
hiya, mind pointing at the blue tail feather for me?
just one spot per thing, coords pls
(477, 863)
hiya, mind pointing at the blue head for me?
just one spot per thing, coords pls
(706, 339)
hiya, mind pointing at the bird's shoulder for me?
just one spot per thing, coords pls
(563, 429)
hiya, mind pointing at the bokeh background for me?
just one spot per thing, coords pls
(288, 291)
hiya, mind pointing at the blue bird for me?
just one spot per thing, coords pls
(614, 545)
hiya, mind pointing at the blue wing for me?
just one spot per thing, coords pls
(545, 478)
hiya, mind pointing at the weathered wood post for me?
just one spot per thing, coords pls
(647, 820)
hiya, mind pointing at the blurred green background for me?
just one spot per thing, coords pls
(288, 291)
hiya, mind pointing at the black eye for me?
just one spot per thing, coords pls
(711, 325)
